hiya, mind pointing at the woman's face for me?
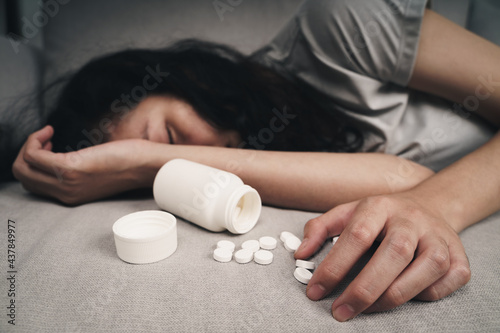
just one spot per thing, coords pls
(169, 120)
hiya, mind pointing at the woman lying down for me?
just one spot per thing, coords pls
(382, 116)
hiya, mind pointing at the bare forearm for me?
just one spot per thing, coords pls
(301, 180)
(468, 190)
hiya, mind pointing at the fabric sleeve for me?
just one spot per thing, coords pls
(376, 38)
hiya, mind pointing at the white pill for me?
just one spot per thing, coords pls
(302, 275)
(292, 243)
(225, 244)
(305, 264)
(243, 256)
(252, 245)
(263, 257)
(267, 242)
(222, 254)
(335, 239)
(285, 234)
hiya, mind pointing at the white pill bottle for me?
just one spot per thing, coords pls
(214, 199)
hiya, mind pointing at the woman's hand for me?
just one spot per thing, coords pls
(420, 255)
(80, 176)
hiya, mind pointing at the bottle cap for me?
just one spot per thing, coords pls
(145, 237)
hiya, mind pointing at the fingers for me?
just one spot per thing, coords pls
(47, 146)
(431, 263)
(392, 256)
(357, 237)
(317, 230)
(37, 181)
(39, 138)
(37, 151)
(44, 160)
(439, 269)
(34, 170)
(420, 255)
(456, 276)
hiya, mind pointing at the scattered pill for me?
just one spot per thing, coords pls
(305, 264)
(267, 242)
(285, 234)
(334, 239)
(252, 244)
(302, 275)
(292, 243)
(263, 257)
(243, 256)
(222, 254)
(225, 244)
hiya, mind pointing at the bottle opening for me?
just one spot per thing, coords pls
(246, 212)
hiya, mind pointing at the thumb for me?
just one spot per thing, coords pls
(41, 137)
(37, 145)
(45, 134)
(318, 229)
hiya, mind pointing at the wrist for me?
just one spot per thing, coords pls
(442, 206)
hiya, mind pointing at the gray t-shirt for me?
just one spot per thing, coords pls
(357, 57)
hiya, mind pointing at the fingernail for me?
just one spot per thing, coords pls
(316, 292)
(343, 312)
(303, 244)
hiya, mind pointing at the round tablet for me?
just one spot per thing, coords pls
(222, 255)
(225, 244)
(305, 264)
(252, 244)
(263, 257)
(292, 243)
(285, 234)
(302, 275)
(267, 242)
(335, 239)
(243, 256)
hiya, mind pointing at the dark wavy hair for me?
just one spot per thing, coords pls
(229, 90)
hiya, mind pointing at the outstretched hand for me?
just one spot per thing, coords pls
(79, 176)
(420, 255)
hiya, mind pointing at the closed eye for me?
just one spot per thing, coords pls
(170, 138)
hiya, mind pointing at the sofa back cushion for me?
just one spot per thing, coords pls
(19, 99)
